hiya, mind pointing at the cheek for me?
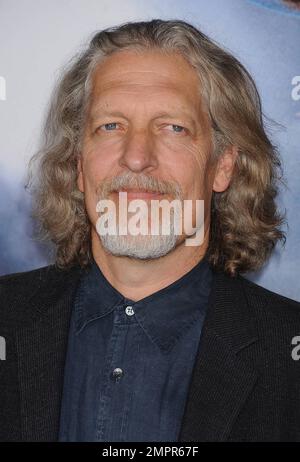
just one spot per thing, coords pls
(94, 171)
(90, 199)
(98, 164)
(190, 170)
(187, 152)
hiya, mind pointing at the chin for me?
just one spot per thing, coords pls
(139, 247)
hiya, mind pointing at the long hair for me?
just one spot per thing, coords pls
(245, 222)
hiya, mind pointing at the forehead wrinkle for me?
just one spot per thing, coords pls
(131, 86)
(127, 63)
(171, 91)
(176, 111)
(151, 69)
(109, 99)
(107, 80)
(139, 71)
(139, 77)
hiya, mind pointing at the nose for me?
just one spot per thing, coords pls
(138, 153)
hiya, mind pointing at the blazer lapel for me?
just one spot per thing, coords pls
(222, 377)
(41, 349)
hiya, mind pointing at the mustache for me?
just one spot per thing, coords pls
(141, 181)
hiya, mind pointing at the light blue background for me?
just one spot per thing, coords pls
(38, 36)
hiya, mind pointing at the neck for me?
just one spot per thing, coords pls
(136, 279)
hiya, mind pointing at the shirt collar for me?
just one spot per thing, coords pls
(165, 315)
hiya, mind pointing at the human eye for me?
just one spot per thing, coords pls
(108, 126)
(177, 128)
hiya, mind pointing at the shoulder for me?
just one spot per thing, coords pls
(28, 282)
(38, 276)
(251, 287)
(22, 276)
(22, 290)
(270, 320)
(242, 302)
(267, 304)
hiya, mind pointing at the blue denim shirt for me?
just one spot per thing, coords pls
(129, 364)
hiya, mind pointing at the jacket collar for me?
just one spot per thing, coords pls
(221, 381)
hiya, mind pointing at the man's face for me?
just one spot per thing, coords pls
(146, 129)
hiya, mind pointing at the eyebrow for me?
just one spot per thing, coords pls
(163, 114)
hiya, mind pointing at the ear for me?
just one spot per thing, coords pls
(224, 169)
(80, 183)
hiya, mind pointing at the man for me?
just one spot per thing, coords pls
(141, 336)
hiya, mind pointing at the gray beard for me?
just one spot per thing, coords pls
(140, 246)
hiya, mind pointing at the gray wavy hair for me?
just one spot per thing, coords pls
(245, 222)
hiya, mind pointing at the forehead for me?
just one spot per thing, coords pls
(148, 76)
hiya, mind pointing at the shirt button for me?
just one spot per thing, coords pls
(117, 374)
(129, 311)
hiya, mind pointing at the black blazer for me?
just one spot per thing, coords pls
(245, 384)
